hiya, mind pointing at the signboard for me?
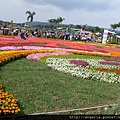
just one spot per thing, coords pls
(105, 35)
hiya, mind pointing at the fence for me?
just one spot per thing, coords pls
(96, 109)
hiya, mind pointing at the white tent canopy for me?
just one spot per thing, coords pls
(118, 36)
(111, 32)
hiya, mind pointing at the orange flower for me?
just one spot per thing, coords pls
(3, 101)
(0, 85)
(9, 105)
(13, 108)
(0, 111)
(19, 109)
(12, 111)
(13, 100)
(16, 111)
(15, 105)
(9, 108)
(6, 93)
(0, 102)
(6, 103)
(11, 95)
(1, 91)
(9, 100)
(2, 108)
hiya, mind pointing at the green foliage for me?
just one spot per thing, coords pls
(39, 88)
(62, 46)
(114, 110)
(30, 15)
(38, 44)
(56, 21)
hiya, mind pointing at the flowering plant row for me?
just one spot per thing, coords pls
(79, 62)
(8, 104)
(109, 62)
(9, 55)
(37, 56)
(114, 53)
(55, 44)
(49, 48)
(6, 36)
(109, 70)
(112, 59)
(5, 48)
(90, 53)
(64, 65)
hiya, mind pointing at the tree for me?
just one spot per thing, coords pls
(60, 20)
(114, 26)
(52, 21)
(118, 24)
(56, 21)
(84, 27)
(78, 26)
(30, 16)
(97, 29)
(71, 25)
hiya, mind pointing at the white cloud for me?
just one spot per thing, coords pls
(100, 13)
(74, 4)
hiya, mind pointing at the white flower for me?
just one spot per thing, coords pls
(64, 65)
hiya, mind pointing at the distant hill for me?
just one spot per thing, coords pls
(36, 23)
(4, 22)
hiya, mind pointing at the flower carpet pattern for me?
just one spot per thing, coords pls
(104, 70)
(83, 70)
(55, 44)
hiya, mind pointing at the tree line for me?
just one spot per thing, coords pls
(56, 21)
(59, 21)
(115, 26)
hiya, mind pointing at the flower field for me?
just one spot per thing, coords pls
(106, 69)
(8, 104)
(84, 71)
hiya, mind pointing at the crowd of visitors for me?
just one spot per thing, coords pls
(77, 35)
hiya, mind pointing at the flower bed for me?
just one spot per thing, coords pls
(8, 104)
(57, 43)
(37, 56)
(111, 61)
(88, 72)
(114, 53)
(10, 55)
(109, 70)
(106, 70)
(49, 48)
(79, 63)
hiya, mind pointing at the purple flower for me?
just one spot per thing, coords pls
(115, 59)
(110, 61)
(79, 63)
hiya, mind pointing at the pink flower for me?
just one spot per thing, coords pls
(37, 56)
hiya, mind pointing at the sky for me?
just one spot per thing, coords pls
(101, 13)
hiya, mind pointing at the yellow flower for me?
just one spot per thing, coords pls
(105, 108)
